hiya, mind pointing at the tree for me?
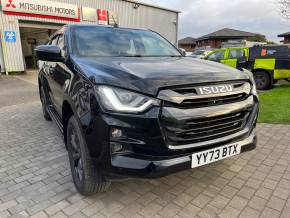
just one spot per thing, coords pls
(285, 8)
(271, 43)
(258, 38)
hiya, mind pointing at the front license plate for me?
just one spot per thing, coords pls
(215, 154)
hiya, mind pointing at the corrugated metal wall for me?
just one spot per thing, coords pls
(163, 21)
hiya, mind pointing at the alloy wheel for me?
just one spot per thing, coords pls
(261, 81)
(76, 155)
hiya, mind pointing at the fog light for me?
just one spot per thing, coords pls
(116, 133)
(116, 147)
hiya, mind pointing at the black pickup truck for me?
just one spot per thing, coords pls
(129, 104)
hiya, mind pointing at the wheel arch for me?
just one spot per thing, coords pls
(269, 72)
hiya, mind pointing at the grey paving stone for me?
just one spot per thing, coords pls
(238, 202)
(183, 199)
(35, 178)
(189, 211)
(276, 203)
(150, 210)
(270, 213)
(229, 212)
(249, 213)
(257, 203)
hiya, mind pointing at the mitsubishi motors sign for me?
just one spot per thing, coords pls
(41, 9)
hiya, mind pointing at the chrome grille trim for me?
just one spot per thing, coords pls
(211, 142)
(172, 95)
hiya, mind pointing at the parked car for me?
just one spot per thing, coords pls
(130, 105)
(199, 53)
(268, 63)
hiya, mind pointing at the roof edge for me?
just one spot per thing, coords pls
(284, 34)
(153, 6)
(218, 34)
(221, 37)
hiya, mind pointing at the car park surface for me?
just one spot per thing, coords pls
(35, 177)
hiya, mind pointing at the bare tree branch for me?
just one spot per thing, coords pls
(285, 8)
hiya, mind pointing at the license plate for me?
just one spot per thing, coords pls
(216, 154)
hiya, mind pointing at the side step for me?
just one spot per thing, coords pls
(54, 115)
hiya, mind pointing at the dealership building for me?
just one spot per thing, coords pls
(24, 24)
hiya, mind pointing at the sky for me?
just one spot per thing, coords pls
(200, 17)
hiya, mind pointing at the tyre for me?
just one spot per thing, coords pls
(263, 80)
(44, 104)
(87, 178)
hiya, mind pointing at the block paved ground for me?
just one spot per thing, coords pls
(35, 178)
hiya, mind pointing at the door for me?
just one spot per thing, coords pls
(236, 57)
(48, 70)
(60, 78)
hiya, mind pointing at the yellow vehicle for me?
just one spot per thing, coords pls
(267, 63)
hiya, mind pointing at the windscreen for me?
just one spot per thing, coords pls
(96, 41)
(198, 52)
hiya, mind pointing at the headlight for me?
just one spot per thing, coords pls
(120, 100)
(250, 74)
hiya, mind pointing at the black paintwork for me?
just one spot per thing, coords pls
(50, 53)
(70, 89)
(148, 75)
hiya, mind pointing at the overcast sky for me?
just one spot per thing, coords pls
(200, 17)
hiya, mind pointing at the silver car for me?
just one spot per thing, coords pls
(199, 53)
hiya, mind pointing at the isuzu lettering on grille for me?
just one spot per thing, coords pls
(208, 90)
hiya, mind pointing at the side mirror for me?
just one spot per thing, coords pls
(182, 51)
(50, 53)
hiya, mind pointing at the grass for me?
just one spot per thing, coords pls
(275, 105)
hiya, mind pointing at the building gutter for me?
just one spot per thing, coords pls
(151, 5)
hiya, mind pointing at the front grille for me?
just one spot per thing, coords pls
(192, 90)
(193, 117)
(204, 129)
(207, 102)
(188, 97)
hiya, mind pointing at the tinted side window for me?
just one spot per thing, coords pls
(236, 54)
(217, 56)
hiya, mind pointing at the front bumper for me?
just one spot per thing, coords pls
(145, 152)
(127, 165)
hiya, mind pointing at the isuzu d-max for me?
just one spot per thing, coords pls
(129, 104)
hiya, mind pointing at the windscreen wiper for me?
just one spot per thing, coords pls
(137, 55)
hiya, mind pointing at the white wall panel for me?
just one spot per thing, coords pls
(157, 19)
